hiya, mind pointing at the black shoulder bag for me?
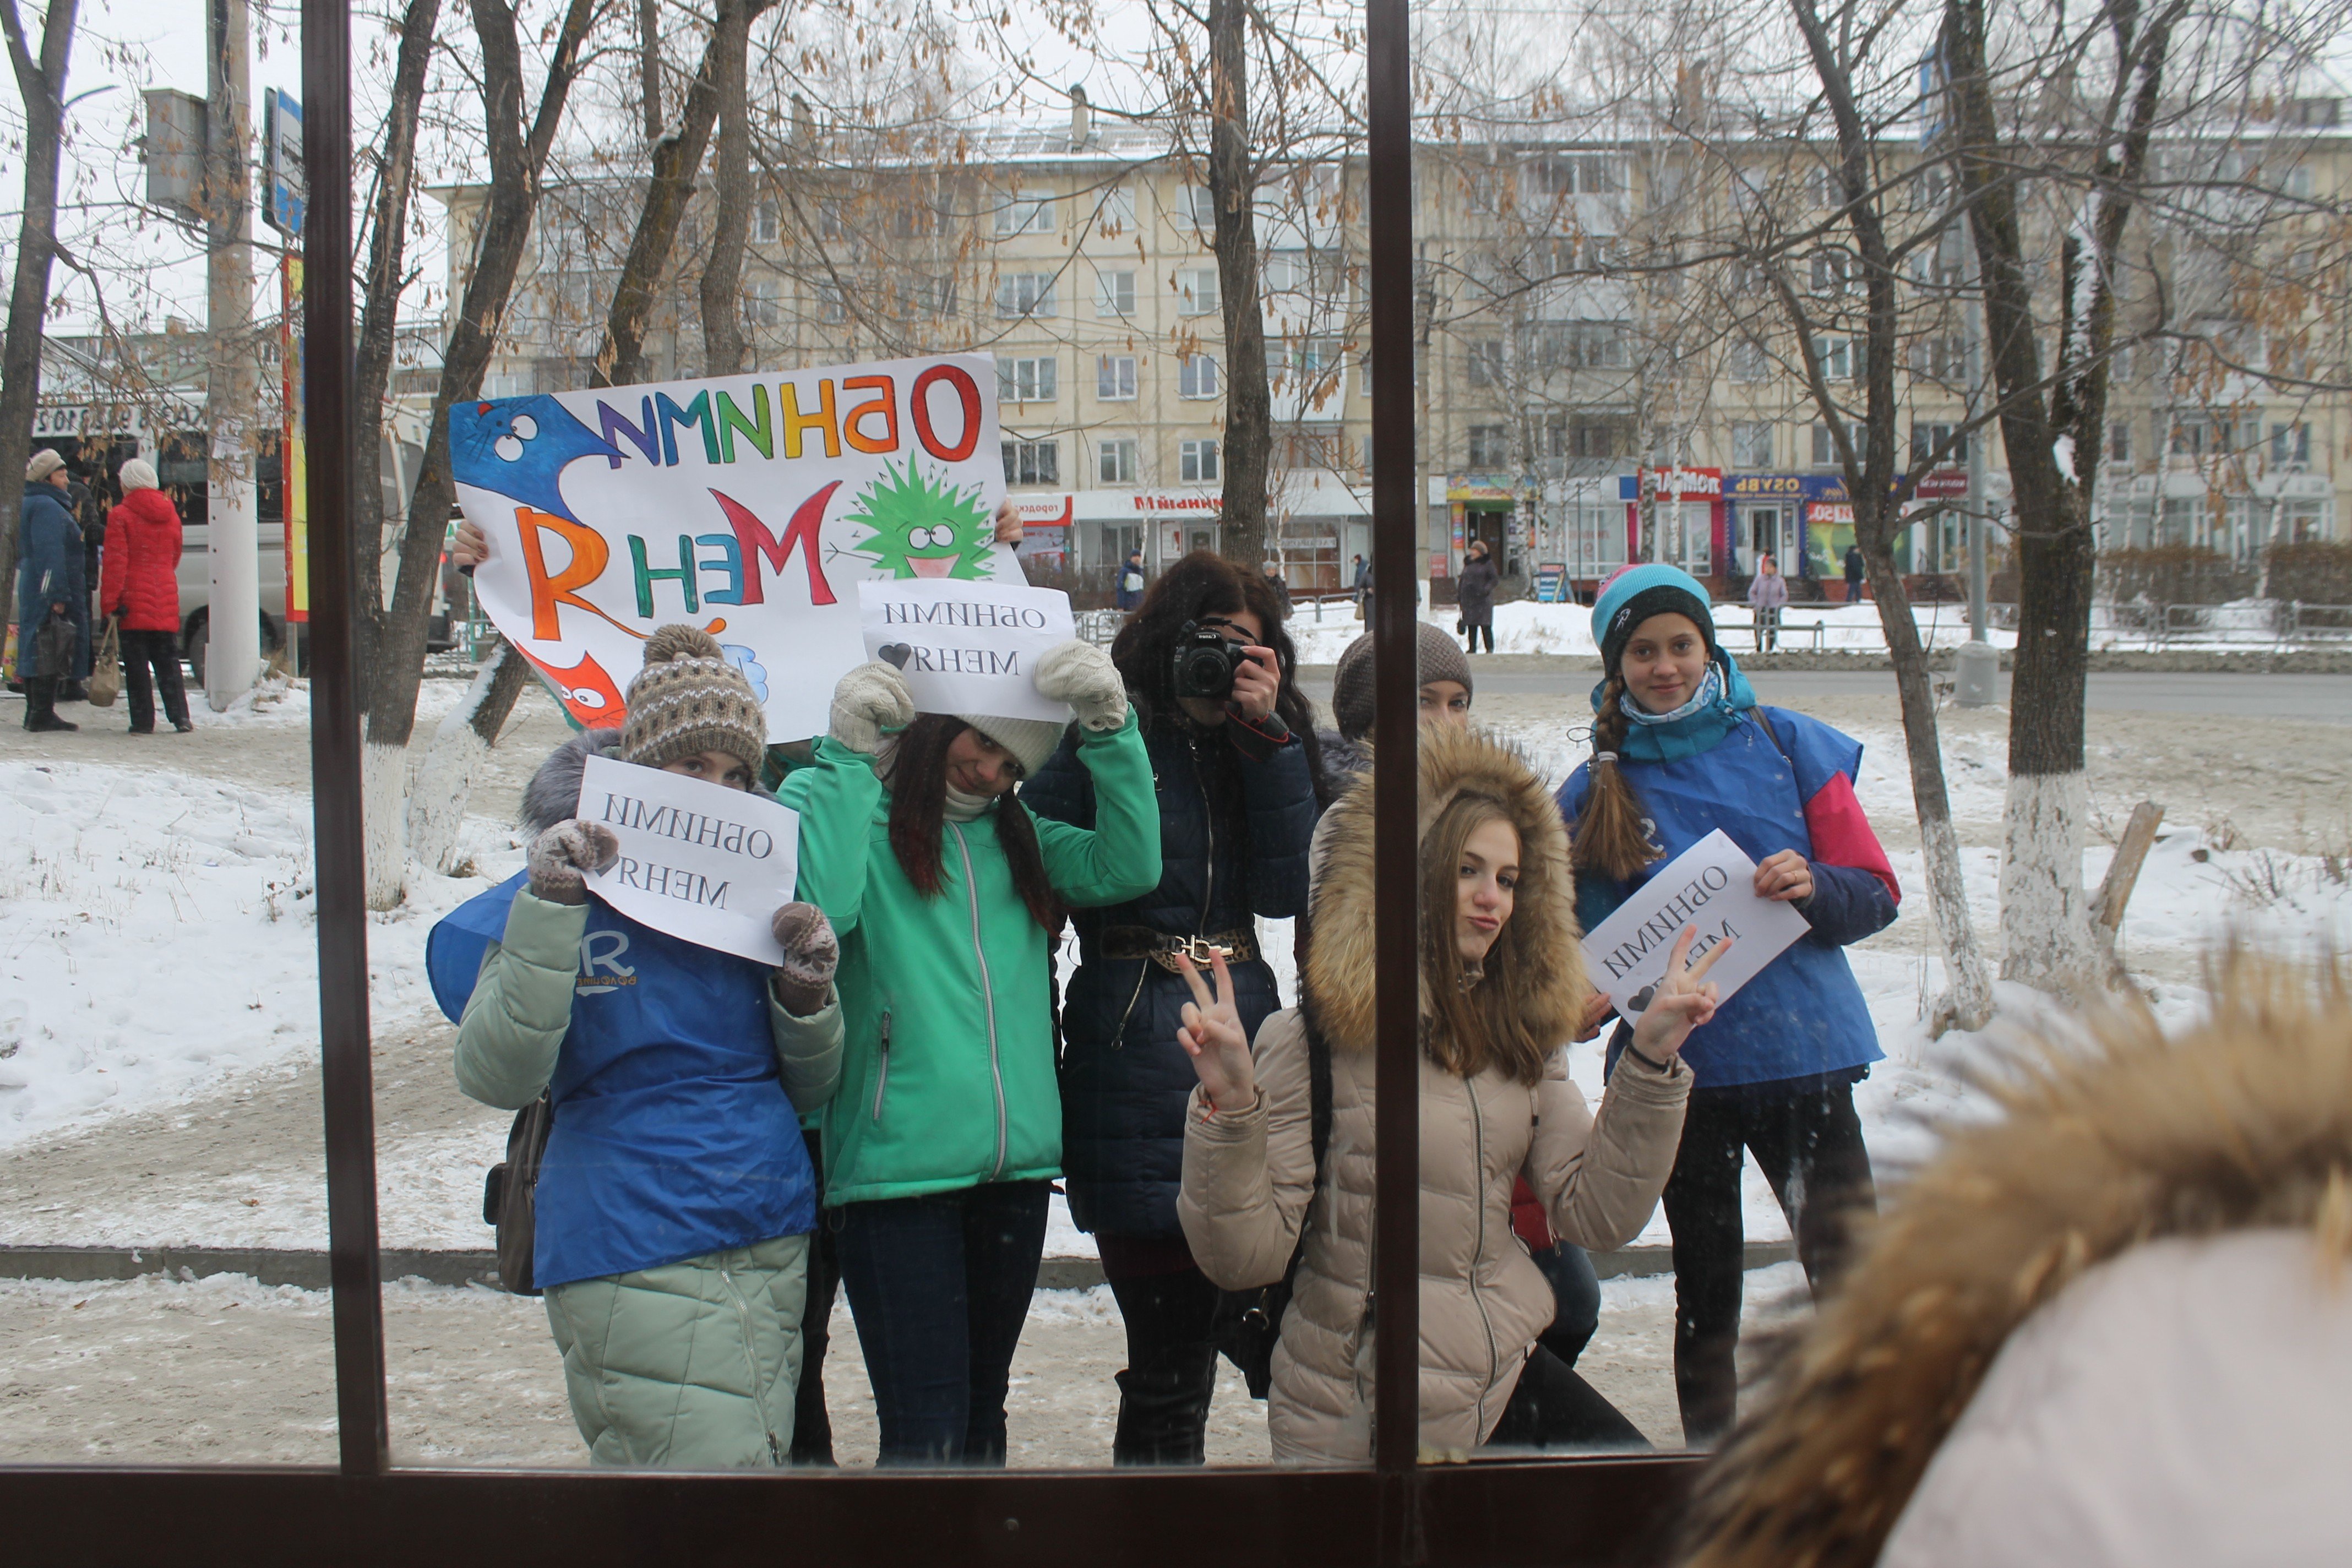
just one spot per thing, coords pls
(511, 1195)
(1248, 1322)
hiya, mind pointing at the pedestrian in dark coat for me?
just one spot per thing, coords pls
(1236, 786)
(140, 584)
(50, 586)
(1130, 590)
(1476, 593)
(1853, 570)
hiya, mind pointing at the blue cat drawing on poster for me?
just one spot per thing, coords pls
(520, 446)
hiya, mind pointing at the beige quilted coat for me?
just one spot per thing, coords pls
(1249, 1177)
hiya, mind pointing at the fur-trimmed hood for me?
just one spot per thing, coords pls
(1548, 976)
(553, 793)
(2240, 1122)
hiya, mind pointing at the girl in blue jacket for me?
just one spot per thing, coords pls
(675, 1197)
(1680, 748)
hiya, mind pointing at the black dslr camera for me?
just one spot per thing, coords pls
(1204, 663)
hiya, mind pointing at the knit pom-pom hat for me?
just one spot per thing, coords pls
(689, 700)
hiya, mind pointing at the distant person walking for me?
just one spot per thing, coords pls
(1853, 569)
(1363, 587)
(1768, 595)
(141, 584)
(1277, 581)
(50, 588)
(1129, 591)
(1476, 595)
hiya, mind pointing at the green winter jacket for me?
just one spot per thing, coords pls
(947, 1002)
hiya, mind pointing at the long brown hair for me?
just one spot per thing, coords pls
(1472, 1026)
(1610, 836)
(918, 797)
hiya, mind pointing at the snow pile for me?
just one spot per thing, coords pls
(158, 935)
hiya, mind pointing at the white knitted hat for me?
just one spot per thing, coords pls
(1031, 740)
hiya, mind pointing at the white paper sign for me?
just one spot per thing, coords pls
(967, 647)
(1712, 886)
(706, 864)
(746, 505)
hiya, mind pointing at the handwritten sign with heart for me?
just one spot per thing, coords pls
(968, 647)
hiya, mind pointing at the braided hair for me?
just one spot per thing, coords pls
(1610, 836)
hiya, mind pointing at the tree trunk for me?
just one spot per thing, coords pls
(1967, 1002)
(2045, 909)
(621, 361)
(1249, 403)
(41, 85)
(437, 808)
(380, 315)
(388, 683)
(1870, 477)
(649, 67)
(731, 174)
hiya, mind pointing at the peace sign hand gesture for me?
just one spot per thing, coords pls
(1683, 1002)
(1212, 1035)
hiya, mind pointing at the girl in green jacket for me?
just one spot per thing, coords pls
(941, 1147)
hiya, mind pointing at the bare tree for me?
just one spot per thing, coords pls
(1232, 189)
(731, 178)
(391, 640)
(41, 84)
(2053, 431)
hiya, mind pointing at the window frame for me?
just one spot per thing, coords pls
(1187, 366)
(1488, 1514)
(1118, 372)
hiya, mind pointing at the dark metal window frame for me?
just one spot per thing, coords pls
(364, 1510)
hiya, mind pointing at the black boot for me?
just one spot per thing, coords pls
(1163, 1416)
(41, 707)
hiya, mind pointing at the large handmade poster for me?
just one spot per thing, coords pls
(750, 506)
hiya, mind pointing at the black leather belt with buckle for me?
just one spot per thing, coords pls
(1237, 946)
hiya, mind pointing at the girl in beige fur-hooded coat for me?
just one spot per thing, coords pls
(2110, 1329)
(1492, 1108)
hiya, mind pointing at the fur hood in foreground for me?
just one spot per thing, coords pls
(553, 793)
(2242, 1123)
(1547, 969)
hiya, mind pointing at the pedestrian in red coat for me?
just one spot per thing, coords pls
(141, 584)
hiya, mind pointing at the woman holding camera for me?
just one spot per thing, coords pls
(1209, 670)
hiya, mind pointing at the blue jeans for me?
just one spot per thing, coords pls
(1576, 1300)
(940, 1287)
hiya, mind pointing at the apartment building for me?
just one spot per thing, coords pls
(1579, 387)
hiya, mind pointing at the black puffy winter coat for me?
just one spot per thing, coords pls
(1234, 827)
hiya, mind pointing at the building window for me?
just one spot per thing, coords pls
(1115, 213)
(760, 303)
(1029, 211)
(1196, 377)
(1115, 377)
(1114, 294)
(1490, 446)
(1831, 270)
(1751, 444)
(1825, 450)
(2291, 443)
(1747, 360)
(1197, 205)
(1196, 462)
(831, 223)
(1926, 438)
(1025, 294)
(1196, 291)
(1580, 346)
(935, 295)
(1486, 367)
(1580, 174)
(1025, 379)
(1114, 461)
(2118, 440)
(831, 307)
(764, 219)
(1033, 462)
(1943, 358)
(1838, 359)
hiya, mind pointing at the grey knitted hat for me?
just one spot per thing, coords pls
(1436, 657)
(1031, 740)
(688, 698)
(45, 462)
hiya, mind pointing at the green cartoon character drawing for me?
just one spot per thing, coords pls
(921, 529)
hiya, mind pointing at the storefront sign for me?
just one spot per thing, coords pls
(746, 505)
(1550, 577)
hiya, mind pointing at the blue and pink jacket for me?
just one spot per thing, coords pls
(1804, 1016)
